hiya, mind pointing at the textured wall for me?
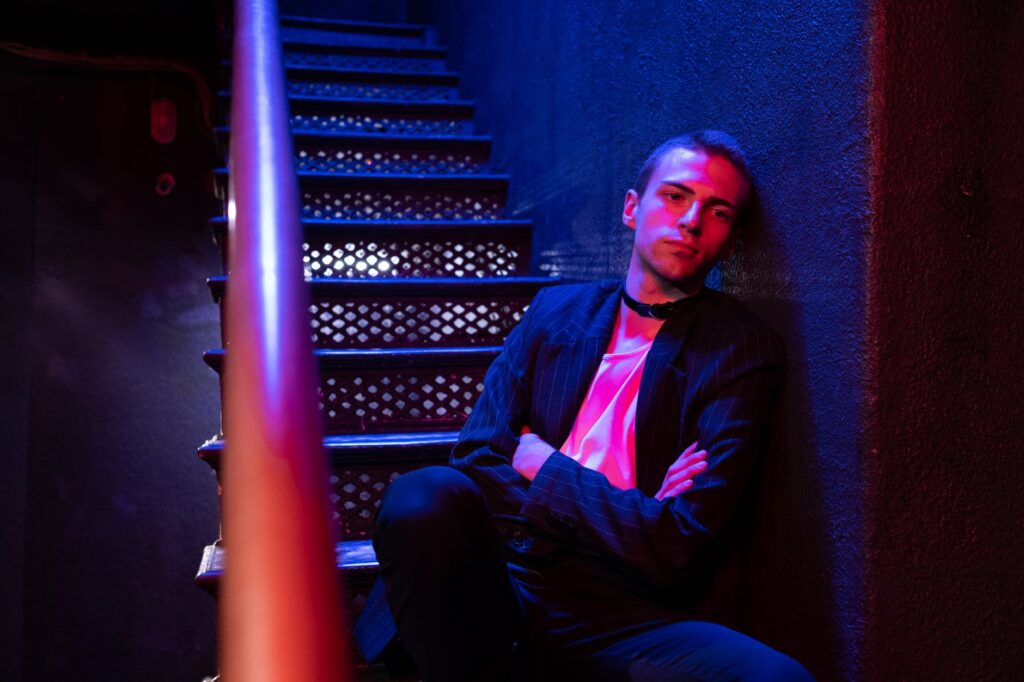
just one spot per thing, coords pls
(108, 315)
(946, 538)
(575, 94)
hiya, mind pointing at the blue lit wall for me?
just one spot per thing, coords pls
(575, 94)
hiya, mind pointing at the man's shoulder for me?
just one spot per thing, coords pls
(573, 309)
(724, 315)
(580, 293)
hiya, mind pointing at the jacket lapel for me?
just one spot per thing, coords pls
(660, 402)
(572, 357)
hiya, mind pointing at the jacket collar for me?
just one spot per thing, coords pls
(599, 325)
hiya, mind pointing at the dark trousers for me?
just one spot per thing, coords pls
(465, 612)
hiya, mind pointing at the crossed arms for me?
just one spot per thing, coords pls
(659, 535)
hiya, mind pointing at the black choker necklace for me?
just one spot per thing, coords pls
(659, 311)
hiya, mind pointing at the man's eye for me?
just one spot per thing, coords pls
(721, 215)
(674, 196)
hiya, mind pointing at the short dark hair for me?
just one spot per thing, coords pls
(712, 143)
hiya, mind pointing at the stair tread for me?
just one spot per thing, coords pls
(359, 225)
(219, 223)
(398, 140)
(366, 449)
(382, 103)
(350, 25)
(381, 139)
(365, 441)
(431, 287)
(341, 74)
(350, 555)
(325, 228)
(412, 353)
(397, 181)
(382, 285)
(414, 178)
(425, 52)
(385, 358)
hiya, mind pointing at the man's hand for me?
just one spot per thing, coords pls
(530, 454)
(679, 477)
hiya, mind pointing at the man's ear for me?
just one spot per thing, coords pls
(629, 209)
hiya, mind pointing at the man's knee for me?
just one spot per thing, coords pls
(762, 663)
(702, 650)
(781, 668)
(432, 504)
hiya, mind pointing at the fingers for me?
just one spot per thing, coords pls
(689, 457)
(672, 491)
(683, 476)
(679, 477)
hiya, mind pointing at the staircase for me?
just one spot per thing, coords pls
(416, 275)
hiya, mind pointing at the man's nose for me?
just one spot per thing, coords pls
(690, 219)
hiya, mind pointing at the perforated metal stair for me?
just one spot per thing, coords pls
(415, 271)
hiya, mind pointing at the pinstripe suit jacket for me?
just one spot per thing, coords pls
(711, 376)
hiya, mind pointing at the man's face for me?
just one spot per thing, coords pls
(684, 219)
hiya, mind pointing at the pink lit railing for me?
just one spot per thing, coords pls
(281, 608)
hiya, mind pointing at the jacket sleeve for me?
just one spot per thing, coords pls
(490, 436)
(659, 539)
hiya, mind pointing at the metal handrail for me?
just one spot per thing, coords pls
(281, 609)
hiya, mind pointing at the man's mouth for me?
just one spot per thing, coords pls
(683, 248)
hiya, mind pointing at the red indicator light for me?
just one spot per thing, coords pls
(163, 120)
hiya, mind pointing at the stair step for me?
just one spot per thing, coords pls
(342, 115)
(381, 116)
(403, 197)
(402, 154)
(352, 556)
(386, 358)
(337, 32)
(419, 52)
(427, 60)
(370, 84)
(361, 468)
(320, 36)
(397, 196)
(487, 248)
(377, 391)
(349, 26)
(407, 313)
(364, 83)
(455, 287)
(356, 561)
(346, 154)
(364, 448)
(389, 76)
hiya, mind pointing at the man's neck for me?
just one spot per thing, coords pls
(649, 289)
(632, 330)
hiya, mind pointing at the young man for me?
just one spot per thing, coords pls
(615, 435)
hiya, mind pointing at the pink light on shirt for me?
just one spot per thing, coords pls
(602, 438)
